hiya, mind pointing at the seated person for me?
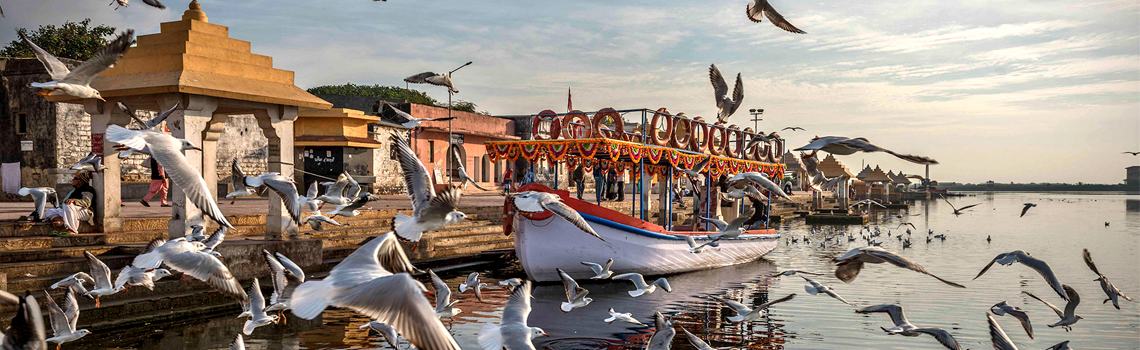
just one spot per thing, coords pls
(76, 207)
(759, 216)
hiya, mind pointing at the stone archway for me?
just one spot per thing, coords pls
(452, 167)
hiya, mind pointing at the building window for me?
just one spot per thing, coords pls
(431, 151)
(21, 123)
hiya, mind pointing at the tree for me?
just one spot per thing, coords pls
(391, 92)
(466, 106)
(72, 40)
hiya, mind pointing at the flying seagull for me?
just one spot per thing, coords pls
(150, 124)
(75, 283)
(846, 146)
(600, 271)
(374, 281)
(63, 320)
(284, 187)
(463, 177)
(92, 162)
(1024, 258)
(696, 341)
(238, 344)
(745, 313)
(1068, 316)
(78, 83)
(1060, 346)
(642, 288)
(430, 211)
(792, 128)
(258, 317)
(814, 288)
(40, 197)
(196, 260)
(852, 262)
(698, 168)
(1026, 208)
(725, 104)
(407, 120)
(286, 276)
(133, 275)
(1113, 293)
(793, 273)
(350, 210)
(1132, 153)
(334, 194)
(958, 211)
(512, 332)
(102, 277)
(438, 79)
(760, 180)
(537, 202)
(237, 180)
(663, 333)
(624, 317)
(386, 331)
(904, 327)
(444, 306)
(1000, 340)
(511, 283)
(698, 248)
(167, 150)
(26, 330)
(729, 229)
(473, 283)
(1003, 308)
(755, 9)
(318, 220)
(575, 294)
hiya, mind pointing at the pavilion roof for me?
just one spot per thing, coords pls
(863, 174)
(792, 162)
(877, 175)
(831, 167)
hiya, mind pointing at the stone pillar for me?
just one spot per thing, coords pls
(277, 124)
(107, 213)
(193, 122)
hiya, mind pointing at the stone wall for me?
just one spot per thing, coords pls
(40, 116)
(243, 139)
(386, 169)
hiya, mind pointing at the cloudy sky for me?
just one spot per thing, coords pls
(1016, 90)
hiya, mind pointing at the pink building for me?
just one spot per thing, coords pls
(469, 131)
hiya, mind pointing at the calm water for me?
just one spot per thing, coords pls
(1055, 231)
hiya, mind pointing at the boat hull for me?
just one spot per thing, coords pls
(544, 245)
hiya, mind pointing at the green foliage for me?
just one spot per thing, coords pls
(72, 40)
(392, 92)
(466, 106)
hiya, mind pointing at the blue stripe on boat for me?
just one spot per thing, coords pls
(651, 234)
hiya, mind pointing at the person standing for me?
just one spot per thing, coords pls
(611, 182)
(579, 180)
(599, 183)
(158, 184)
(507, 177)
(621, 186)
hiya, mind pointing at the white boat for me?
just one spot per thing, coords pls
(544, 243)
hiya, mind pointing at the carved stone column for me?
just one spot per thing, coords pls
(277, 124)
(192, 123)
(108, 192)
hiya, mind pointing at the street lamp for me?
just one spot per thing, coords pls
(445, 81)
(756, 113)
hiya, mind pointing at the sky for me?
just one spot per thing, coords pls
(1009, 91)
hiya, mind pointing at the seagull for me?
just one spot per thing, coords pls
(40, 196)
(814, 288)
(1003, 308)
(748, 191)
(1113, 293)
(258, 317)
(75, 283)
(663, 333)
(600, 272)
(756, 141)
(642, 288)
(444, 306)
(283, 186)
(310, 200)
(92, 162)
(63, 320)
(725, 104)
(194, 259)
(793, 273)
(845, 146)
(213, 241)
(386, 331)
(286, 276)
(512, 332)
(238, 344)
(867, 202)
(1038, 265)
(697, 342)
(374, 280)
(729, 230)
(150, 124)
(408, 121)
(1068, 317)
(1060, 346)
(1132, 153)
(958, 211)
(434, 79)
(352, 191)
(463, 177)
(472, 282)
(745, 313)
(624, 317)
(761, 180)
(695, 172)
(350, 210)
(132, 275)
(1026, 208)
(904, 327)
(155, 4)
(78, 83)
(237, 180)
(763, 7)
(430, 211)
(697, 249)
(26, 330)
(792, 128)
(511, 283)
(537, 202)
(102, 277)
(335, 193)
(167, 150)
(905, 224)
(317, 221)
(852, 262)
(575, 294)
(998, 337)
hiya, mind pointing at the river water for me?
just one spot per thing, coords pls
(1055, 231)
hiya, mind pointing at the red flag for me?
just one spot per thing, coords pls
(569, 101)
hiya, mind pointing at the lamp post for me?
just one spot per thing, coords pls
(449, 137)
(756, 113)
